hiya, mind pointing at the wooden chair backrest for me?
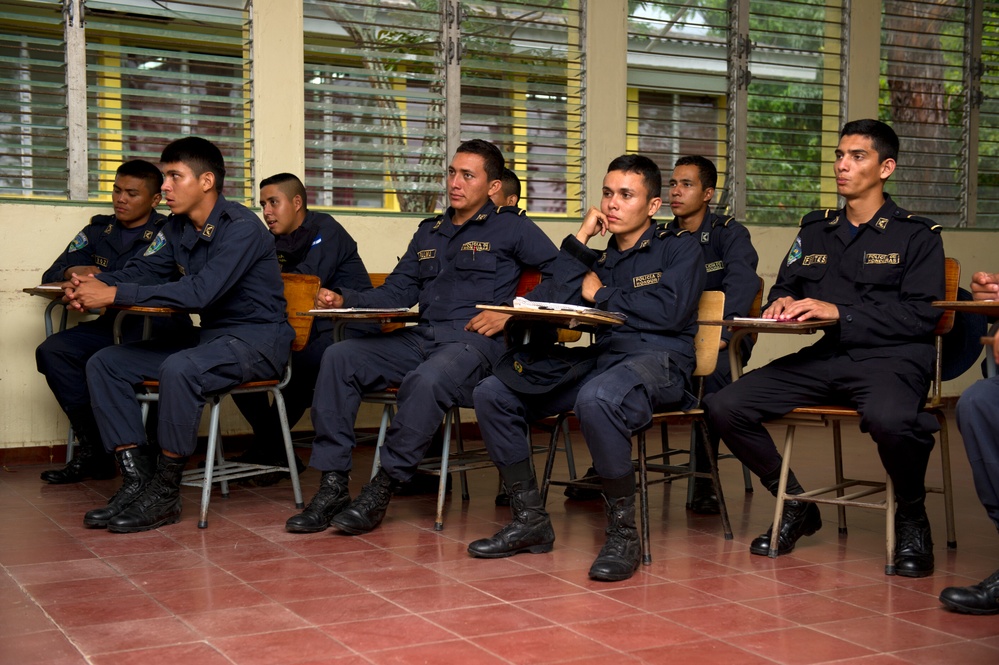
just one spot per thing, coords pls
(530, 278)
(708, 338)
(300, 293)
(952, 278)
(756, 308)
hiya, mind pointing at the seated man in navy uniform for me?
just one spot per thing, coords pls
(653, 275)
(220, 262)
(876, 270)
(472, 254)
(978, 420)
(730, 261)
(509, 192)
(307, 243)
(105, 244)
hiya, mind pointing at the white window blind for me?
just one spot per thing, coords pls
(33, 150)
(159, 70)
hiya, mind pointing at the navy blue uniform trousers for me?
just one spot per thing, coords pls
(187, 376)
(432, 377)
(978, 420)
(887, 392)
(612, 402)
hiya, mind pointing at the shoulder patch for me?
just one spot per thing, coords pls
(818, 216)
(724, 221)
(158, 243)
(79, 242)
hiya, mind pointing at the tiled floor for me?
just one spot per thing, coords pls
(245, 591)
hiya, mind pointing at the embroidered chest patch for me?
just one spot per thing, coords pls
(892, 259)
(714, 266)
(100, 261)
(476, 246)
(425, 254)
(646, 280)
(815, 259)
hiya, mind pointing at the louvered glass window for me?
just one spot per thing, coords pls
(922, 92)
(374, 115)
(987, 102)
(158, 71)
(521, 88)
(33, 151)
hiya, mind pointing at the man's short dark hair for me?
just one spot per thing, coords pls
(289, 184)
(883, 138)
(199, 154)
(645, 167)
(511, 184)
(706, 170)
(140, 168)
(489, 153)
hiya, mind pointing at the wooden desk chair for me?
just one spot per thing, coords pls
(460, 461)
(300, 294)
(823, 416)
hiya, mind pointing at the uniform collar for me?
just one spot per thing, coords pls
(214, 220)
(879, 222)
(480, 217)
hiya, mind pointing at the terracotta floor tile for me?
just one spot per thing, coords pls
(578, 607)
(884, 598)
(962, 625)
(243, 620)
(395, 578)
(81, 569)
(126, 635)
(440, 653)
(487, 620)
(102, 610)
(662, 597)
(19, 615)
(964, 653)
(543, 645)
(884, 633)
(322, 611)
(636, 632)
(798, 646)
(387, 633)
(726, 620)
(441, 597)
(45, 647)
(198, 652)
(187, 601)
(78, 590)
(287, 647)
(808, 608)
(526, 587)
(300, 588)
(707, 652)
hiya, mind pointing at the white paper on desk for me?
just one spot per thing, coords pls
(49, 287)
(362, 310)
(754, 319)
(524, 303)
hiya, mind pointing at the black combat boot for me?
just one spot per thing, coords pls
(367, 511)
(619, 557)
(798, 519)
(981, 598)
(531, 529)
(90, 460)
(578, 493)
(913, 544)
(137, 466)
(704, 500)
(332, 497)
(159, 502)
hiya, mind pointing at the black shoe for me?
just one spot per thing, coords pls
(704, 501)
(502, 499)
(622, 552)
(799, 519)
(422, 484)
(86, 463)
(530, 531)
(577, 493)
(137, 468)
(368, 510)
(332, 497)
(159, 502)
(981, 598)
(913, 544)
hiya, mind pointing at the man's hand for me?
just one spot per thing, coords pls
(789, 309)
(591, 284)
(79, 270)
(595, 222)
(985, 286)
(327, 299)
(87, 292)
(488, 323)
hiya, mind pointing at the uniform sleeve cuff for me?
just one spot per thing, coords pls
(579, 251)
(126, 294)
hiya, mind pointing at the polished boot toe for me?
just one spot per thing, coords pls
(86, 464)
(622, 552)
(530, 531)
(981, 598)
(704, 501)
(799, 519)
(137, 468)
(332, 497)
(158, 504)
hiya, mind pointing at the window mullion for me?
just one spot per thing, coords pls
(76, 98)
(451, 50)
(971, 104)
(738, 101)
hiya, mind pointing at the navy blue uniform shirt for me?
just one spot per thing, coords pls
(730, 261)
(102, 244)
(228, 273)
(883, 280)
(322, 247)
(657, 283)
(450, 269)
